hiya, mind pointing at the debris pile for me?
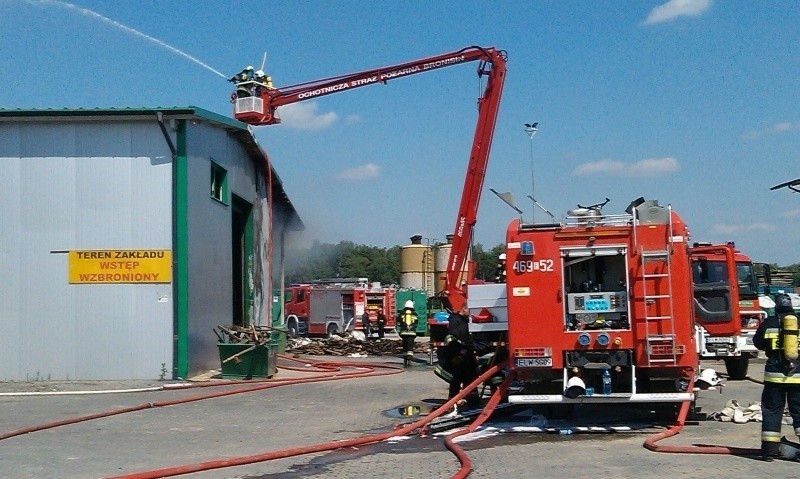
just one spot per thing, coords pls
(349, 346)
(237, 334)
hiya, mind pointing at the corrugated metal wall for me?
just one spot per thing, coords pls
(209, 222)
(82, 185)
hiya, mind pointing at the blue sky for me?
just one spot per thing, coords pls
(691, 102)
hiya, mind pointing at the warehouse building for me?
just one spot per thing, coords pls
(127, 236)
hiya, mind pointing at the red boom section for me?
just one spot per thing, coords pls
(261, 109)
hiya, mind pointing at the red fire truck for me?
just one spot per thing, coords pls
(327, 307)
(719, 336)
(606, 299)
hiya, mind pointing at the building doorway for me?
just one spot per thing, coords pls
(242, 260)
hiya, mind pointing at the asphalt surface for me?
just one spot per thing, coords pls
(306, 414)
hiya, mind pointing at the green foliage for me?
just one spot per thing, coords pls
(487, 261)
(343, 260)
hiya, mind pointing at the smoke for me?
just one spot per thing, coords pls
(92, 14)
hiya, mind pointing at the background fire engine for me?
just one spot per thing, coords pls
(720, 336)
(328, 307)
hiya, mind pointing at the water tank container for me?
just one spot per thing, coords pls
(416, 266)
(442, 258)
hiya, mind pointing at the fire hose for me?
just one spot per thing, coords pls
(329, 446)
(650, 442)
(466, 463)
(368, 370)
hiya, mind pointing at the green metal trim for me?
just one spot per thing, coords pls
(180, 247)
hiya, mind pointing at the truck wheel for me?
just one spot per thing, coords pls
(332, 329)
(737, 367)
(292, 326)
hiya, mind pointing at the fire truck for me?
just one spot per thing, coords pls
(257, 102)
(606, 301)
(328, 307)
(720, 336)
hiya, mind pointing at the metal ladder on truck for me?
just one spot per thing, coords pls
(656, 278)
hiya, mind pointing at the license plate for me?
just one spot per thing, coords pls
(533, 362)
(719, 340)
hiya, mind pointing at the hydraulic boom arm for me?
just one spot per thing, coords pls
(256, 103)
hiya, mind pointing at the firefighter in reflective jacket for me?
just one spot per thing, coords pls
(407, 326)
(777, 336)
(458, 364)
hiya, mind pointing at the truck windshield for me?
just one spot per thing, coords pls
(748, 283)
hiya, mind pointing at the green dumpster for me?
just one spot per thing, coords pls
(258, 362)
(278, 337)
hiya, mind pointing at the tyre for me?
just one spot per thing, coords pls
(292, 326)
(332, 329)
(737, 367)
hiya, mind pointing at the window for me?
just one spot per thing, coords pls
(219, 183)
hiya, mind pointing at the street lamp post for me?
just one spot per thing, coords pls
(531, 129)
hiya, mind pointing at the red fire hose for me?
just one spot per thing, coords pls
(368, 370)
(329, 446)
(650, 442)
(466, 463)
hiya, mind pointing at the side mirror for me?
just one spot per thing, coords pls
(767, 274)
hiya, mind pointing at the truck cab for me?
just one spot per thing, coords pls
(719, 334)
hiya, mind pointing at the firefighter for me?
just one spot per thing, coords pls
(246, 75)
(777, 337)
(407, 327)
(500, 272)
(460, 361)
(366, 324)
(381, 323)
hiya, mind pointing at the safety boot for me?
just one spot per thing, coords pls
(770, 450)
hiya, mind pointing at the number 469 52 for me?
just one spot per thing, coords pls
(529, 266)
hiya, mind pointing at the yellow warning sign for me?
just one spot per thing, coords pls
(120, 266)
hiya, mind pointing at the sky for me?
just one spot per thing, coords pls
(693, 103)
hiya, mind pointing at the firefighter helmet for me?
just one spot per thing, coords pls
(409, 304)
(502, 257)
(710, 377)
(575, 387)
(783, 304)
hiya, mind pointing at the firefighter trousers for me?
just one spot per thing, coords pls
(408, 346)
(774, 398)
(465, 370)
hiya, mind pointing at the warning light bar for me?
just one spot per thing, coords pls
(666, 349)
(533, 352)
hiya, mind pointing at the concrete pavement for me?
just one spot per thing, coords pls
(299, 415)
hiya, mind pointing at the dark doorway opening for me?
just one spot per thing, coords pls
(242, 260)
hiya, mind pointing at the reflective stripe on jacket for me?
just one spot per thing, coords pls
(777, 368)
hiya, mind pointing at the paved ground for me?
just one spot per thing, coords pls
(305, 414)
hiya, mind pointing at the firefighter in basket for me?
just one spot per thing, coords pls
(243, 81)
(458, 364)
(777, 337)
(407, 327)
